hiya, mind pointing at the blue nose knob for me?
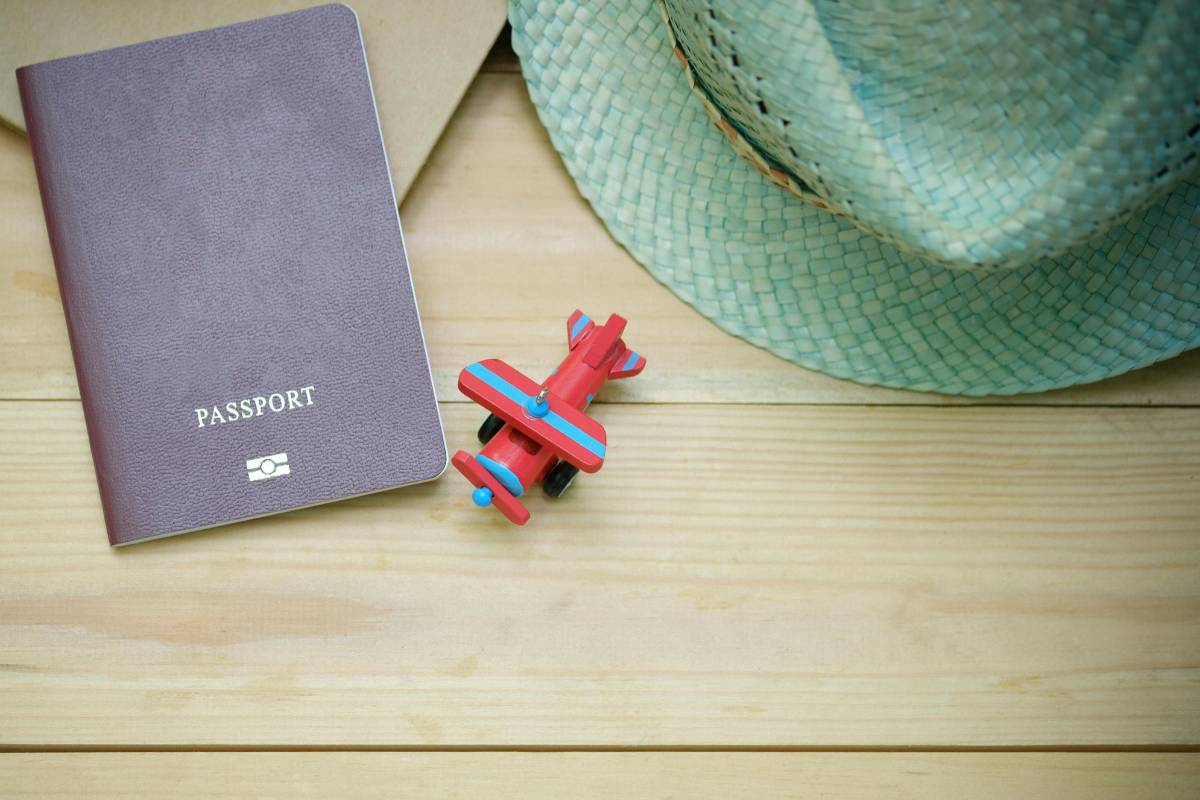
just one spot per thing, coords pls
(482, 496)
(537, 409)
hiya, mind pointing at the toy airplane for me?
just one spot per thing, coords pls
(539, 433)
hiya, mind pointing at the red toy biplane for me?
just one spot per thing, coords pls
(539, 433)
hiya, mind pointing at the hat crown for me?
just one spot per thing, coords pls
(976, 134)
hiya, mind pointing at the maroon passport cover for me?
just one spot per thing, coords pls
(233, 273)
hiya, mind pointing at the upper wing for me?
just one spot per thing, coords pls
(504, 391)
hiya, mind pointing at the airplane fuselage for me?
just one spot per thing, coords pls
(516, 460)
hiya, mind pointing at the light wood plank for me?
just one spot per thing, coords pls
(631, 776)
(771, 575)
(502, 249)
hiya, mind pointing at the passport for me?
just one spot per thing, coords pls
(233, 272)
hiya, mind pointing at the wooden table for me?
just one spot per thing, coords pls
(780, 585)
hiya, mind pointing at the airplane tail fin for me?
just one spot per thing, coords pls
(579, 325)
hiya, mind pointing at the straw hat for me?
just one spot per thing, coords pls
(973, 198)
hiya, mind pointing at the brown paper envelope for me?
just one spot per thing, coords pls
(422, 53)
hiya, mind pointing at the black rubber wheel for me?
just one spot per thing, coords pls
(559, 478)
(490, 427)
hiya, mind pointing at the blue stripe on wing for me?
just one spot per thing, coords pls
(568, 429)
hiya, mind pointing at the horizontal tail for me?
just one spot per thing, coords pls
(627, 365)
(578, 326)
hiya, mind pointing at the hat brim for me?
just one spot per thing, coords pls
(811, 287)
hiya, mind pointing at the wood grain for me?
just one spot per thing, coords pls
(601, 776)
(833, 566)
(754, 575)
(503, 248)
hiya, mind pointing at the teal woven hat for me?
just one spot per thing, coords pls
(987, 197)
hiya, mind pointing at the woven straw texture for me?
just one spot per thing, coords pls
(1016, 207)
